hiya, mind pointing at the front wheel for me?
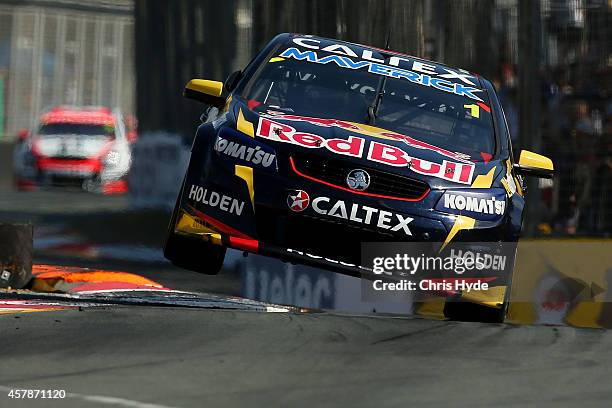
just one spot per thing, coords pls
(192, 254)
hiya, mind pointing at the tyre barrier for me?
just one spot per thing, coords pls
(15, 255)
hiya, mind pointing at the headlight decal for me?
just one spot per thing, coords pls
(482, 181)
(112, 158)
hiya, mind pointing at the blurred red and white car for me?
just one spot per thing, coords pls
(83, 147)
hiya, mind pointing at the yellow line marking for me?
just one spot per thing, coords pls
(484, 181)
(244, 125)
(246, 173)
(467, 223)
(492, 297)
(189, 225)
(228, 101)
(461, 223)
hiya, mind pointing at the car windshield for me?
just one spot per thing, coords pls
(303, 88)
(76, 129)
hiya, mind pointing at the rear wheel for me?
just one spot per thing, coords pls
(192, 254)
(473, 312)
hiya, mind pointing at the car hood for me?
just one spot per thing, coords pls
(367, 146)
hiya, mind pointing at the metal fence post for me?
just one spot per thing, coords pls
(530, 97)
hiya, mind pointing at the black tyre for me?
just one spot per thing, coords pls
(194, 255)
(188, 253)
(472, 312)
(15, 255)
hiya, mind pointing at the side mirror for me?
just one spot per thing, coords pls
(132, 136)
(208, 92)
(533, 164)
(23, 134)
(232, 80)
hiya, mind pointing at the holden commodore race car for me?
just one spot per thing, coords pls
(82, 147)
(320, 145)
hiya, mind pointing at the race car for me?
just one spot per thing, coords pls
(320, 145)
(82, 147)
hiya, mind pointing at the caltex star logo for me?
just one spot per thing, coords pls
(298, 200)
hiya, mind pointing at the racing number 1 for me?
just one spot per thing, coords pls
(474, 110)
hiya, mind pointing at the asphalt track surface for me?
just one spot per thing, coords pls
(184, 357)
(142, 356)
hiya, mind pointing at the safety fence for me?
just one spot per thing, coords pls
(64, 53)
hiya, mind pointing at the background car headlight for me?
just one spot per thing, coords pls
(112, 158)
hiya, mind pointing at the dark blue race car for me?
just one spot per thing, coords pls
(319, 145)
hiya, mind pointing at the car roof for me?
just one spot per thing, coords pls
(85, 115)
